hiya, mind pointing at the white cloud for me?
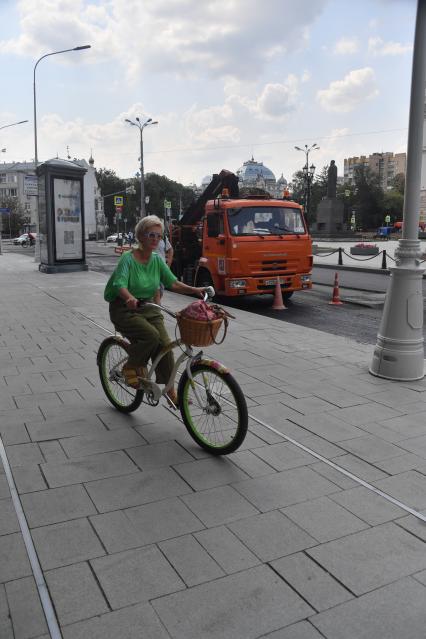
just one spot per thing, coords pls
(346, 46)
(211, 125)
(344, 95)
(377, 47)
(273, 102)
(276, 100)
(339, 133)
(185, 37)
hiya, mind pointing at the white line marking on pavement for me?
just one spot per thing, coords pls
(360, 481)
(43, 592)
(416, 513)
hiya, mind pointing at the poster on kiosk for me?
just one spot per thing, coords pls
(68, 219)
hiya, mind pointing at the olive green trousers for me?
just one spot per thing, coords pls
(147, 335)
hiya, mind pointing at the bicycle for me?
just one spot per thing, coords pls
(210, 400)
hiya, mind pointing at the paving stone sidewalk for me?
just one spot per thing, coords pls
(142, 535)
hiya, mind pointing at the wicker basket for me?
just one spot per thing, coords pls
(198, 332)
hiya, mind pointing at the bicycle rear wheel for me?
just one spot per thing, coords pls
(220, 425)
(112, 355)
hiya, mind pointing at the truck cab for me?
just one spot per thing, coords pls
(248, 243)
(243, 245)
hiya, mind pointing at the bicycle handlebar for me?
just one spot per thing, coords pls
(209, 293)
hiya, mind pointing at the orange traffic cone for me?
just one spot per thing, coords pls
(278, 304)
(336, 299)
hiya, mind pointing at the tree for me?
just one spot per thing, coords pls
(318, 190)
(393, 203)
(13, 222)
(297, 187)
(368, 198)
(398, 183)
(109, 182)
(160, 188)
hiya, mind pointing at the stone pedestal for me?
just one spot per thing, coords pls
(330, 213)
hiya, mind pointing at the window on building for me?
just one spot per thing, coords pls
(3, 178)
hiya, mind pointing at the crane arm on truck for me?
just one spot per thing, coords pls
(195, 212)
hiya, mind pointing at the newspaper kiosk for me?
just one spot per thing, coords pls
(61, 216)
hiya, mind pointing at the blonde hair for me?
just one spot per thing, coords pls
(146, 223)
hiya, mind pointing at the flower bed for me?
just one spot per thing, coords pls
(364, 249)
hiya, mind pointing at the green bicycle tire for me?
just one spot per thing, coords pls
(218, 438)
(122, 397)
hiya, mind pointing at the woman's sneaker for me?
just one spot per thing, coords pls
(133, 374)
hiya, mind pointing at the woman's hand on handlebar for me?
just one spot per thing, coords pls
(205, 292)
(199, 291)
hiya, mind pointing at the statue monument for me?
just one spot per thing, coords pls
(332, 179)
(330, 211)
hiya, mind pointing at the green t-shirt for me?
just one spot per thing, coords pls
(141, 280)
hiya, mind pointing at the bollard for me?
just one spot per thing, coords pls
(384, 266)
(340, 262)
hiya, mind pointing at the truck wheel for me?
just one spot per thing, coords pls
(286, 296)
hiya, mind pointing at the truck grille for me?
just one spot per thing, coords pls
(272, 266)
(271, 287)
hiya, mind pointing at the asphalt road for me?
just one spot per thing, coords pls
(306, 308)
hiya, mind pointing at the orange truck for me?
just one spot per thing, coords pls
(241, 245)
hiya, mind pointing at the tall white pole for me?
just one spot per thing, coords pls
(399, 351)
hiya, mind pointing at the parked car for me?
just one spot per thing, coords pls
(24, 239)
(21, 239)
(115, 236)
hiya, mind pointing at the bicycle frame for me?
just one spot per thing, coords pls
(151, 387)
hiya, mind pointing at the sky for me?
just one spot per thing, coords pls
(225, 79)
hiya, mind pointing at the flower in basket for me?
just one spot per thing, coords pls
(363, 245)
(199, 311)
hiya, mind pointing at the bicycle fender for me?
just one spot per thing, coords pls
(214, 364)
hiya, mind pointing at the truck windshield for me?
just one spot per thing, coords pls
(265, 220)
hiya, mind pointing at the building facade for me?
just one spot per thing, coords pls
(256, 174)
(252, 174)
(385, 165)
(17, 179)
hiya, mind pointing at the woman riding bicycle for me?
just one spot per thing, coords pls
(138, 275)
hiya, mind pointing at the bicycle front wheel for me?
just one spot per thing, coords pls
(219, 424)
(112, 355)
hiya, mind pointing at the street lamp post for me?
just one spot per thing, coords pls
(141, 127)
(86, 46)
(399, 351)
(308, 175)
(5, 126)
